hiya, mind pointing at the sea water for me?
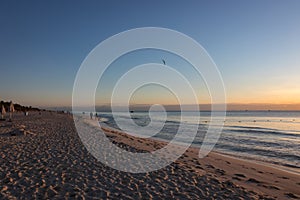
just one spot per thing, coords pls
(272, 136)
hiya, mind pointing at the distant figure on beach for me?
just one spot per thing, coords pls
(3, 112)
(96, 116)
(164, 62)
(11, 110)
(25, 113)
(91, 115)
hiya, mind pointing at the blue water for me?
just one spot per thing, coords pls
(266, 136)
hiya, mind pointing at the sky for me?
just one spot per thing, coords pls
(255, 44)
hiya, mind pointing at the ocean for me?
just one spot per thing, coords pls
(272, 136)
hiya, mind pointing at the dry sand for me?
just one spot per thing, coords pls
(42, 157)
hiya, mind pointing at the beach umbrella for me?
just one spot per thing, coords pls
(3, 111)
(11, 109)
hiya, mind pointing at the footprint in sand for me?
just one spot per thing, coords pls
(198, 167)
(240, 175)
(220, 171)
(272, 187)
(291, 195)
(236, 178)
(210, 166)
(253, 180)
(283, 177)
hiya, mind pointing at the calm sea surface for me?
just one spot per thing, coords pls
(266, 136)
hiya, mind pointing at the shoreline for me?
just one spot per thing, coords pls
(290, 169)
(260, 173)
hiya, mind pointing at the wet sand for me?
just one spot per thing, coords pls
(42, 156)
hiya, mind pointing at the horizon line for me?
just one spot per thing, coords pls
(205, 107)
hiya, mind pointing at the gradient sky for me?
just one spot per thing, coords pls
(255, 44)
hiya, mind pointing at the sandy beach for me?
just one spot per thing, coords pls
(42, 157)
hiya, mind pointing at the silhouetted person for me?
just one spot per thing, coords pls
(11, 110)
(3, 112)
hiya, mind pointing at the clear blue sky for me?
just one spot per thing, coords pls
(256, 44)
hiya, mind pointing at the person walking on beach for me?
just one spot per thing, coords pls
(11, 110)
(96, 116)
(91, 115)
(3, 112)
